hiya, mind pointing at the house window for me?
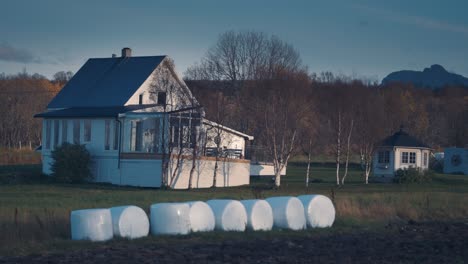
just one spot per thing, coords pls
(412, 157)
(136, 135)
(64, 131)
(145, 135)
(87, 130)
(175, 136)
(425, 160)
(107, 135)
(116, 135)
(140, 99)
(384, 157)
(76, 131)
(56, 132)
(48, 130)
(186, 135)
(156, 135)
(183, 131)
(162, 98)
(404, 157)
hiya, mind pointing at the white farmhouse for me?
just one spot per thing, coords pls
(137, 118)
(399, 151)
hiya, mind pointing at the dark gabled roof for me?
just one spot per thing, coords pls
(92, 112)
(106, 82)
(402, 139)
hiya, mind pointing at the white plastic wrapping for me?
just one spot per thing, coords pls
(201, 217)
(288, 212)
(259, 215)
(230, 215)
(170, 218)
(129, 222)
(91, 224)
(318, 209)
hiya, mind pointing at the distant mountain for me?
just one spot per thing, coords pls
(434, 77)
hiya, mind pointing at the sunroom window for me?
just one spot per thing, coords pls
(145, 135)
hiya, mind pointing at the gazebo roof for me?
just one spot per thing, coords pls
(402, 139)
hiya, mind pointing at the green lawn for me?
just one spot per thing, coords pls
(34, 216)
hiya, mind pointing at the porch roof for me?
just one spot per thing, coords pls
(91, 112)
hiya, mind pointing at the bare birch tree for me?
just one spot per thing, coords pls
(348, 145)
(177, 97)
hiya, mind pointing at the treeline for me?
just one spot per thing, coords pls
(437, 117)
(257, 84)
(21, 96)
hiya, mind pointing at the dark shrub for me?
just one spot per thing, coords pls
(412, 175)
(436, 165)
(71, 163)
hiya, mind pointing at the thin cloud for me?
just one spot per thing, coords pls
(414, 20)
(438, 25)
(12, 54)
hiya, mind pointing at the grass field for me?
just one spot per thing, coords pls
(34, 216)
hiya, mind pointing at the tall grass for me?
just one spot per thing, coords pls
(34, 216)
(19, 156)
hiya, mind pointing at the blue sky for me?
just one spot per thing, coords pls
(365, 39)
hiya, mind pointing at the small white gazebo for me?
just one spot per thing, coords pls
(399, 151)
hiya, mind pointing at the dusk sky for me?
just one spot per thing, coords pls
(365, 39)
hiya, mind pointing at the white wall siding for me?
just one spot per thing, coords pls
(143, 173)
(230, 173)
(228, 140)
(177, 98)
(419, 155)
(95, 146)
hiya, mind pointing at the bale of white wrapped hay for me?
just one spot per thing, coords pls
(129, 222)
(318, 209)
(259, 214)
(288, 212)
(170, 218)
(201, 217)
(230, 215)
(91, 224)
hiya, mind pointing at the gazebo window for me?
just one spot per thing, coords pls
(384, 157)
(408, 157)
(404, 157)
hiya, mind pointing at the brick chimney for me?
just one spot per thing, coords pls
(126, 52)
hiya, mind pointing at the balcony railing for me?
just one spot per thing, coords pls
(224, 153)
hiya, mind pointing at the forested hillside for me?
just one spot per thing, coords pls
(22, 96)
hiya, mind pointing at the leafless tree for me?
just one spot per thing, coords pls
(178, 97)
(283, 118)
(348, 144)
